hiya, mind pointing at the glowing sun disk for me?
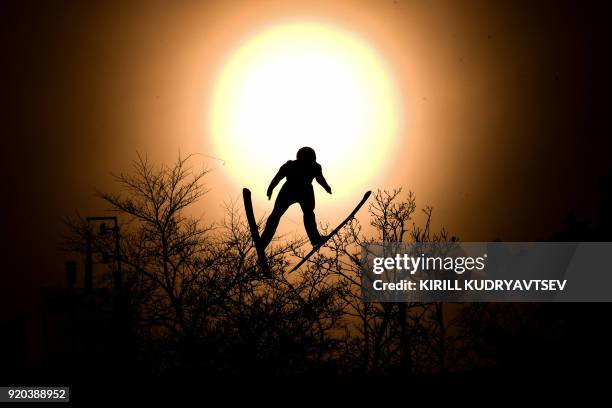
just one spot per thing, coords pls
(305, 84)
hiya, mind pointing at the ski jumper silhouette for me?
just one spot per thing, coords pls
(297, 189)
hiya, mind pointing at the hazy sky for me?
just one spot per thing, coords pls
(504, 108)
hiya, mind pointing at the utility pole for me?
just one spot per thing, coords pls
(104, 229)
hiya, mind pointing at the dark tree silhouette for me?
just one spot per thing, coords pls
(198, 304)
(194, 294)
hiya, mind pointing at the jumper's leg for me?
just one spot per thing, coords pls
(310, 221)
(272, 223)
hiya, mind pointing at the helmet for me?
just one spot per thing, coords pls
(306, 154)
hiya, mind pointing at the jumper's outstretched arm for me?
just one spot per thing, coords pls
(277, 179)
(321, 180)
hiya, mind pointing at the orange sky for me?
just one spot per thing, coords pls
(473, 85)
(498, 135)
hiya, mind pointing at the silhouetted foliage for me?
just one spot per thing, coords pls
(198, 304)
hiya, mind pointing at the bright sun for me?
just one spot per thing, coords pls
(305, 84)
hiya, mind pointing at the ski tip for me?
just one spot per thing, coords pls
(246, 191)
(367, 194)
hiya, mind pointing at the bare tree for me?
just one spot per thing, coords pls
(196, 290)
(198, 300)
(383, 337)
